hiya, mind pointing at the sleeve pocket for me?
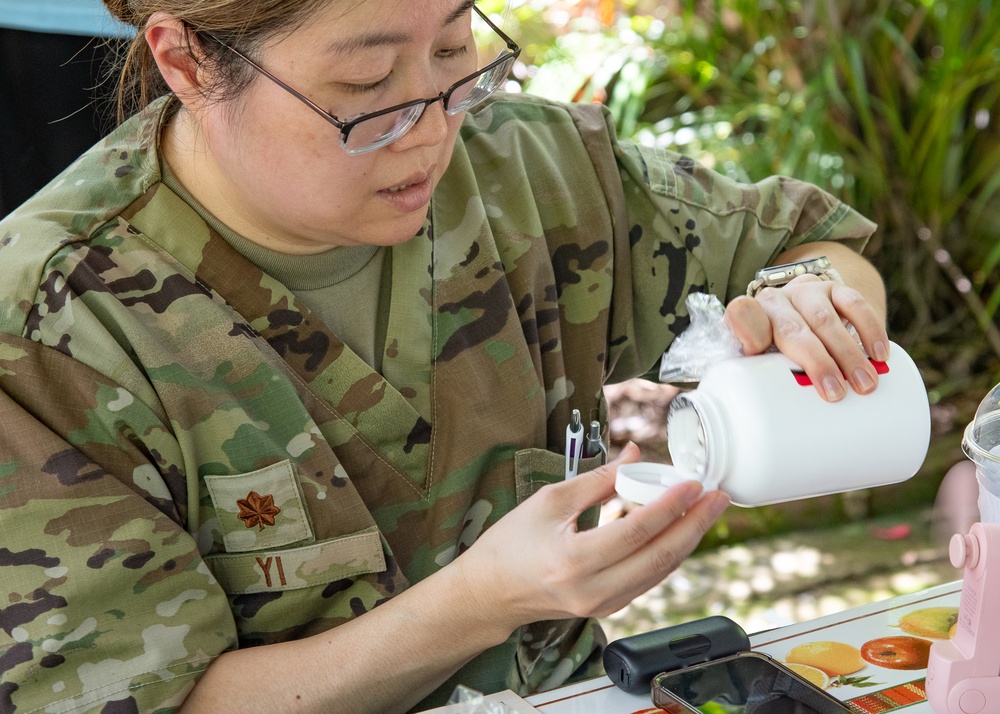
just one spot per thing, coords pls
(269, 541)
(261, 509)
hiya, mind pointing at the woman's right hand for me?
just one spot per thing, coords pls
(534, 564)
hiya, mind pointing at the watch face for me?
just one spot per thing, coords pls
(816, 266)
(778, 275)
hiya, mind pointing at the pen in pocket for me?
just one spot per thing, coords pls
(574, 444)
(594, 445)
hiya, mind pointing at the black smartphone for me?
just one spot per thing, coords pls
(744, 683)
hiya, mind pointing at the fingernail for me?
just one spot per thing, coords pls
(719, 505)
(863, 380)
(692, 492)
(833, 389)
(881, 350)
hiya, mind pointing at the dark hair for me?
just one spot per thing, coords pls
(234, 22)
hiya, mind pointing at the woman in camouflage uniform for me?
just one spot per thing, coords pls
(284, 379)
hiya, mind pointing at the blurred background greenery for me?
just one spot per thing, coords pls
(893, 105)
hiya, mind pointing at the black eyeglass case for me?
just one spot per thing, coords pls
(632, 662)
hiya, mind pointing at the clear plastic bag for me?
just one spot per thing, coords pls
(468, 701)
(706, 341)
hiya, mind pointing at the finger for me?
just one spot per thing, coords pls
(852, 358)
(796, 339)
(831, 322)
(576, 495)
(862, 314)
(815, 302)
(624, 536)
(676, 542)
(648, 566)
(748, 321)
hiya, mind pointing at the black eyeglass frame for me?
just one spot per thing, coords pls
(347, 125)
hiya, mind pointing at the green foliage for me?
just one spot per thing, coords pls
(891, 104)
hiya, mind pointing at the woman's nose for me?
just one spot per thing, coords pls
(431, 128)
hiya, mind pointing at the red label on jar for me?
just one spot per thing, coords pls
(803, 379)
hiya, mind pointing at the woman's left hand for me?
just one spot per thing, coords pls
(805, 320)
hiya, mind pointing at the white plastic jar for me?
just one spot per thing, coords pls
(756, 428)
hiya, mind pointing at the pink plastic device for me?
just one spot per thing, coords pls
(963, 675)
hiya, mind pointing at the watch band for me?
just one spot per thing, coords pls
(777, 275)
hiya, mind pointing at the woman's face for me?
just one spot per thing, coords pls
(275, 170)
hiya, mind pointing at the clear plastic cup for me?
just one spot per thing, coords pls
(981, 444)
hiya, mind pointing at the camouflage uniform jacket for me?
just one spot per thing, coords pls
(190, 461)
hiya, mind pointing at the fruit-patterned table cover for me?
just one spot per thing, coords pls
(874, 657)
(858, 656)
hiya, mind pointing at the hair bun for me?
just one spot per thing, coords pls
(122, 9)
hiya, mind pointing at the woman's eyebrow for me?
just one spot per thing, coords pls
(370, 40)
(459, 12)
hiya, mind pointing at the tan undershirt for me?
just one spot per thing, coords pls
(342, 285)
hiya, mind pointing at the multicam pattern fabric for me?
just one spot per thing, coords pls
(190, 461)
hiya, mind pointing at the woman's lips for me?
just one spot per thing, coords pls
(412, 195)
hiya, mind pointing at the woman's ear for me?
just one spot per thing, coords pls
(174, 49)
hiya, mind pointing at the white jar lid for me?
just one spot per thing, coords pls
(645, 481)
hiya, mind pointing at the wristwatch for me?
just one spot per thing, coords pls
(778, 275)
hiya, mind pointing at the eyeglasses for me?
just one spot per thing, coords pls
(366, 132)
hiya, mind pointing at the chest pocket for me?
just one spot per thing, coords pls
(534, 468)
(270, 543)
